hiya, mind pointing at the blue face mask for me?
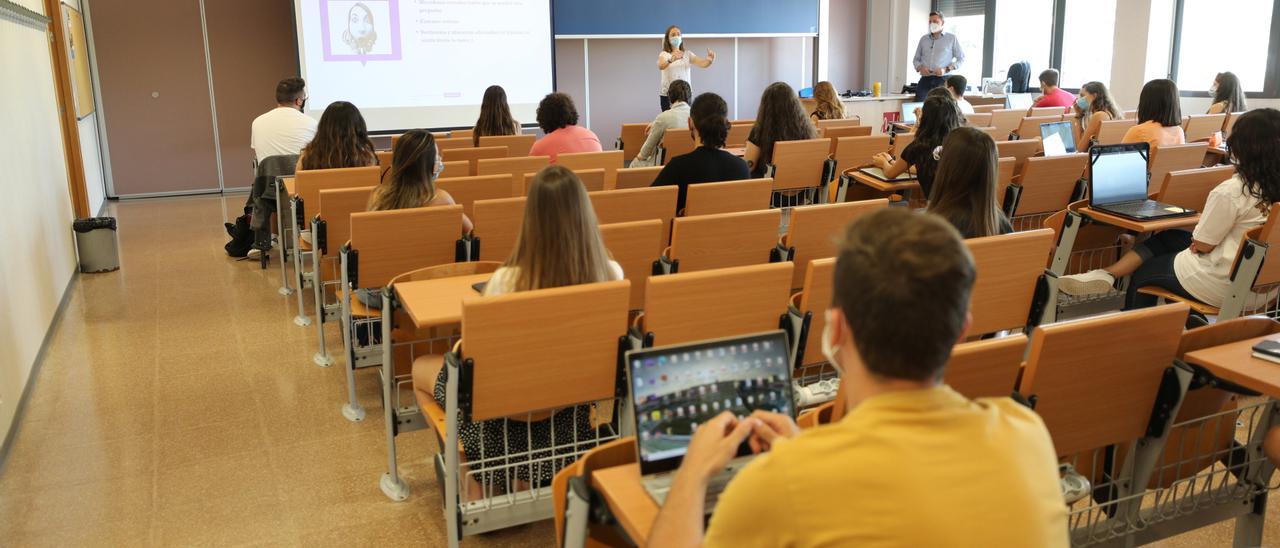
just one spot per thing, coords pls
(676, 41)
(1082, 103)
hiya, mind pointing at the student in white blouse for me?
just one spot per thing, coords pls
(676, 117)
(674, 61)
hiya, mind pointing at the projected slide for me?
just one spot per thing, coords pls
(424, 63)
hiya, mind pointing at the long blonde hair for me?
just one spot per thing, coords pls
(828, 102)
(559, 243)
(412, 179)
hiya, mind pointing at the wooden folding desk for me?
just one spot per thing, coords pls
(906, 187)
(438, 302)
(1077, 217)
(1235, 362)
(628, 502)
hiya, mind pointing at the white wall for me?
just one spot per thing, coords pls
(35, 216)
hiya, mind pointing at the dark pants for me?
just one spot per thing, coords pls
(665, 102)
(927, 83)
(1157, 254)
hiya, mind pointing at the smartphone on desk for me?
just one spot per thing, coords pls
(479, 287)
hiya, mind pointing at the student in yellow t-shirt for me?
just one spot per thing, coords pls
(913, 463)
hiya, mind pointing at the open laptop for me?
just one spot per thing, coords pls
(909, 113)
(675, 388)
(1057, 138)
(1019, 101)
(1118, 183)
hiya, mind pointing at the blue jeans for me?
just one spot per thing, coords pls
(1157, 254)
(926, 84)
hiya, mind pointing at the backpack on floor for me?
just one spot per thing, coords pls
(241, 236)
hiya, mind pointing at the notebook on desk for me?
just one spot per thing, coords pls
(675, 388)
(879, 174)
(1118, 183)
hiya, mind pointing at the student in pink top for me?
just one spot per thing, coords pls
(1051, 95)
(558, 118)
(1159, 116)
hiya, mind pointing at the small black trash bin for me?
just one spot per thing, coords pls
(96, 244)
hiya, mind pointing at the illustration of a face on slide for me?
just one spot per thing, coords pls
(360, 35)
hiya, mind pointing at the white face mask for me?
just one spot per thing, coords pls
(935, 27)
(828, 348)
(439, 167)
(676, 41)
(1213, 89)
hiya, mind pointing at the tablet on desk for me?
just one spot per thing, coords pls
(879, 174)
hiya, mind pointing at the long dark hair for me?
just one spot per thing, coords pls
(938, 117)
(495, 115)
(666, 39)
(781, 117)
(341, 140)
(1102, 100)
(1255, 150)
(1230, 91)
(411, 181)
(964, 185)
(1159, 103)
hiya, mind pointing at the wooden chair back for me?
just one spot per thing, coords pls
(609, 160)
(607, 455)
(723, 240)
(738, 134)
(467, 190)
(335, 209)
(1095, 380)
(1199, 127)
(515, 168)
(384, 162)
(1269, 233)
(676, 142)
(1047, 111)
(1189, 188)
(460, 168)
(987, 109)
(854, 152)
(987, 368)
(637, 204)
(448, 143)
(397, 241)
(694, 306)
(978, 119)
(636, 177)
(575, 330)
(799, 164)
(1008, 267)
(309, 182)
(1030, 126)
(900, 142)
(1004, 176)
(635, 246)
(815, 298)
(1007, 120)
(1175, 158)
(839, 122)
(1019, 150)
(1049, 182)
(1111, 132)
(470, 132)
(631, 139)
(993, 132)
(472, 155)
(1230, 123)
(518, 146)
(497, 225)
(815, 228)
(727, 197)
(837, 132)
(592, 179)
(1129, 114)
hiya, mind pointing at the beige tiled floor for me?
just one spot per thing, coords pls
(178, 405)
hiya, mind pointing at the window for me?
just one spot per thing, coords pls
(967, 19)
(1023, 32)
(1208, 45)
(1088, 36)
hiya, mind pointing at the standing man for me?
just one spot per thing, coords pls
(937, 55)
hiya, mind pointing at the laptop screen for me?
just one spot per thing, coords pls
(1018, 101)
(909, 112)
(1117, 173)
(1057, 138)
(675, 388)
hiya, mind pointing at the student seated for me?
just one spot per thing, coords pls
(913, 463)
(558, 119)
(283, 130)
(1198, 264)
(679, 93)
(938, 117)
(827, 105)
(559, 245)
(780, 118)
(342, 140)
(1094, 106)
(1227, 94)
(495, 116)
(964, 187)
(1159, 116)
(956, 84)
(1051, 95)
(709, 163)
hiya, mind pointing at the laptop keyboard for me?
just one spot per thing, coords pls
(659, 487)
